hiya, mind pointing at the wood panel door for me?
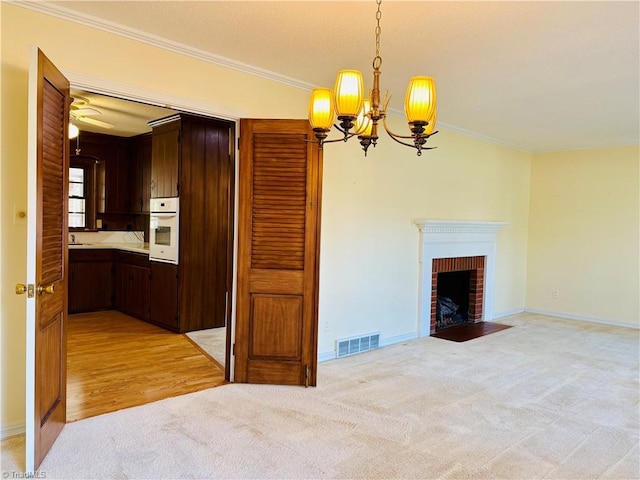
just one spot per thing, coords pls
(280, 176)
(47, 257)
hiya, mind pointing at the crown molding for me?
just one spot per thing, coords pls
(593, 146)
(156, 41)
(181, 49)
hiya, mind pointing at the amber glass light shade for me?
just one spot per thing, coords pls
(420, 101)
(428, 130)
(321, 108)
(363, 122)
(349, 93)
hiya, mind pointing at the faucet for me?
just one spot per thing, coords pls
(73, 238)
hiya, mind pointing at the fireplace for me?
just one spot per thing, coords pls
(457, 287)
(448, 246)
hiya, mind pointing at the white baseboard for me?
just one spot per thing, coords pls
(507, 313)
(326, 356)
(12, 431)
(581, 318)
(385, 342)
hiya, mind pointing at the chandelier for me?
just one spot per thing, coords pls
(360, 117)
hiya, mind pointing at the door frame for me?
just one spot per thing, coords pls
(124, 91)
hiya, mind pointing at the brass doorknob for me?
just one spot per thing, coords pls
(21, 289)
(48, 289)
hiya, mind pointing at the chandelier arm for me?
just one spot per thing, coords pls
(393, 137)
(393, 134)
(348, 135)
(419, 149)
(334, 140)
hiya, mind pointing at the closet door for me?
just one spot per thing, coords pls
(278, 244)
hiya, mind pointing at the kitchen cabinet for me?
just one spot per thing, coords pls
(164, 295)
(140, 171)
(132, 284)
(165, 157)
(90, 280)
(117, 177)
(123, 173)
(194, 156)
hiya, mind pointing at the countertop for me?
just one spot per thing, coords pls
(129, 247)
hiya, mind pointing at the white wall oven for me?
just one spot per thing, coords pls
(164, 229)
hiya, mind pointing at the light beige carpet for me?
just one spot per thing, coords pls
(213, 341)
(549, 398)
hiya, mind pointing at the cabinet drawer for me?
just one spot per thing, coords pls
(90, 255)
(131, 258)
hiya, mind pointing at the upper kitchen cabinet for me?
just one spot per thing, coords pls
(119, 178)
(140, 159)
(165, 157)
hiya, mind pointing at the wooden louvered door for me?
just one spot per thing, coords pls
(278, 243)
(47, 258)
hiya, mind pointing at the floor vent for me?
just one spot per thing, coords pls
(349, 346)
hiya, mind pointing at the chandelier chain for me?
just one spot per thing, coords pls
(378, 29)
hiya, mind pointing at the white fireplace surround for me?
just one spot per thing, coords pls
(449, 239)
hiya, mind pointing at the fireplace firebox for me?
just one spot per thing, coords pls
(457, 287)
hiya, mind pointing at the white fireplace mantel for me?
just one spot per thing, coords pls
(455, 238)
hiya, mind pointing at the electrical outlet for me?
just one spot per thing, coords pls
(326, 325)
(555, 294)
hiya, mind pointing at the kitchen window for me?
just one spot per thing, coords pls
(82, 209)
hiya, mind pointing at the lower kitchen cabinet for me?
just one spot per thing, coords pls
(90, 280)
(164, 295)
(102, 279)
(133, 284)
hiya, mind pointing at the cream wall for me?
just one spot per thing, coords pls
(584, 234)
(369, 246)
(369, 262)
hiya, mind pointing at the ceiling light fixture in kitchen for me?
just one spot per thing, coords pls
(362, 115)
(73, 131)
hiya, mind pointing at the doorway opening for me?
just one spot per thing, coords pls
(213, 344)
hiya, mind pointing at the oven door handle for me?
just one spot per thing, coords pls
(164, 215)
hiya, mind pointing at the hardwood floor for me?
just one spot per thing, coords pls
(115, 361)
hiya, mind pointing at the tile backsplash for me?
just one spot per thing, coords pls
(128, 236)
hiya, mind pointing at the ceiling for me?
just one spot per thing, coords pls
(128, 118)
(537, 76)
